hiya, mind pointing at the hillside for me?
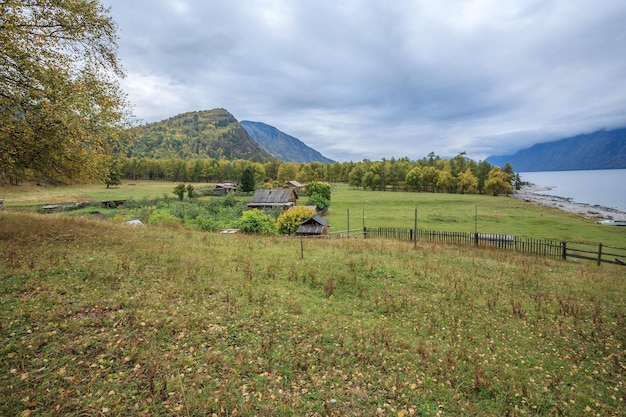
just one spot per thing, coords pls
(202, 134)
(605, 149)
(281, 145)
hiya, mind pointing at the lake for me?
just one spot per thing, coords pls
(605, 188)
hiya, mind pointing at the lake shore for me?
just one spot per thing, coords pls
(533, 193)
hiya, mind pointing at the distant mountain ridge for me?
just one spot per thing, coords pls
(281, 145)
(604, 149)
(199, 134)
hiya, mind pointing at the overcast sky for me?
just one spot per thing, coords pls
(377, 79)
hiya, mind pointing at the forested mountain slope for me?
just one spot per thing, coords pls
(605, 149)
(200, 134)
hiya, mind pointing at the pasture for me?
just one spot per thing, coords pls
(101, 318)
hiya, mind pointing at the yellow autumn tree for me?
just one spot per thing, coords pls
(498, 182)
(62, 112)
(289, 221)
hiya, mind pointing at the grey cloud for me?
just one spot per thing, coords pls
(375, 79)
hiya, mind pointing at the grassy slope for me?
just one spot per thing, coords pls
(103, 318)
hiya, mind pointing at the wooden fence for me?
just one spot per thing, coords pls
(542, 247)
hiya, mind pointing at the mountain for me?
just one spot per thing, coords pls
(200, 134)
(605, 149)
(281, 145)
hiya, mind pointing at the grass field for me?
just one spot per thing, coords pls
(100, 318)
(435, 211)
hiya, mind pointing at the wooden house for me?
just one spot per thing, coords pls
(313, 226)
(268, 199)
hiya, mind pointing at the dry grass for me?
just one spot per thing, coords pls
(104, 319)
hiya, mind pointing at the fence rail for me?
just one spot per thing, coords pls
(542, 247)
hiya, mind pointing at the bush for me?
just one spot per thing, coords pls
(318, 201)
(204, 223)
(289, 221)
(163, 219)
(256, 221)
(318, 188)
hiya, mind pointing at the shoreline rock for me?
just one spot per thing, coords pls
(533, 194)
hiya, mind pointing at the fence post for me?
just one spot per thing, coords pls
(364, 232)
(415, 229)
(564, 250)
(599, 254)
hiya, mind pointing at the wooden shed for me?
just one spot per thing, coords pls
(224, 188)
(313, 226)
(267, 199)
(294, 184)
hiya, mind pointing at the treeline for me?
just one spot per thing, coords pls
(432, 173)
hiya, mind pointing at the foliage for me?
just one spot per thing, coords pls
(467, 182)
(179, 191)
(105, 319)
(163, 218)
(256, 221)
(319, 194)
(319, 201)
(206, 134)
(498, 182)
(289, 221)
(246, 182)
(191, 193)
(61, 109)
(413, 179)
(321, 188)
(115, 176)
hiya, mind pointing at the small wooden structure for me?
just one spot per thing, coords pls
(313, 226)
(294, 184)
(224, 188)
(267, 199)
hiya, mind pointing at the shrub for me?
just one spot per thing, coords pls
(204, 223)
(256, 221)
(318, 188)
(289, 221)
(163, 219)
(318, 201)
(179, 190)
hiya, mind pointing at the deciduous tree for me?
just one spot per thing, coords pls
(288, 222)
(498, 182)
(61, 109)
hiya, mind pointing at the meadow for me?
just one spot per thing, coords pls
(101, 318)
(358, 208)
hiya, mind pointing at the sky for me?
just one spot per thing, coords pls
(373, 79)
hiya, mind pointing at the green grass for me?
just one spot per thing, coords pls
(464, 213)
(435, 211)
(106, 319)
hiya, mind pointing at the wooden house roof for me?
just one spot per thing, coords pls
(269, 197)
(315, 225)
